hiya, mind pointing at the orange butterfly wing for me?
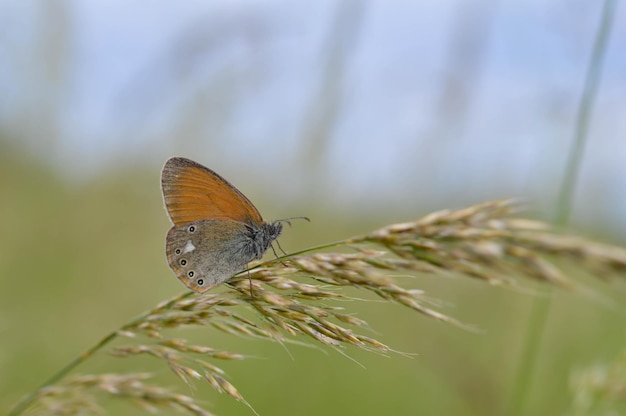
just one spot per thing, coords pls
(193, 192)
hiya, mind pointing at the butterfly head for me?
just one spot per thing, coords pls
(261, 237)
(273, 230)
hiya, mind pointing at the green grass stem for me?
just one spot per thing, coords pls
(541, 305)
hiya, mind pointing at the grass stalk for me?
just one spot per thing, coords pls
(540, 309)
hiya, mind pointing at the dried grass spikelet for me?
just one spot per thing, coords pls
(484, 242)
(293, 298)
(81, 395)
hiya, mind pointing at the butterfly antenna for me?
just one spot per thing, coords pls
(287, 220)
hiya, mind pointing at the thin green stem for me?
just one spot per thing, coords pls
(592, 81)
(541, 305)
(353, 240)
(30, 398)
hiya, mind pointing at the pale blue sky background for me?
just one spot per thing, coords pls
(92, 85)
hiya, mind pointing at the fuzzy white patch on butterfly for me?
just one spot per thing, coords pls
(189, 247)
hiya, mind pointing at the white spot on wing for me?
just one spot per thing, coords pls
(189, 247)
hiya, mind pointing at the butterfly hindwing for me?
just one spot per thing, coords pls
(205, 253)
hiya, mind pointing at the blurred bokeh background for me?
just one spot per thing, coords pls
(354, 113)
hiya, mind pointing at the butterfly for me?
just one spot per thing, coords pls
(217, 230)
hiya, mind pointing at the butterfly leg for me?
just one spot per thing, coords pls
(276, 255)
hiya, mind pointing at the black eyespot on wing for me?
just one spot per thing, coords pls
(191, 273)
(200, 282)
(192, 228)
(183, 262)
(177, 251)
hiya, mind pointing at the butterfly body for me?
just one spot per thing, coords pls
(217, 231)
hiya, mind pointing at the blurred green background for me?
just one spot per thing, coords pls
(356, 114)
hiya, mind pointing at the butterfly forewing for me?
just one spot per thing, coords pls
(193, 192)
